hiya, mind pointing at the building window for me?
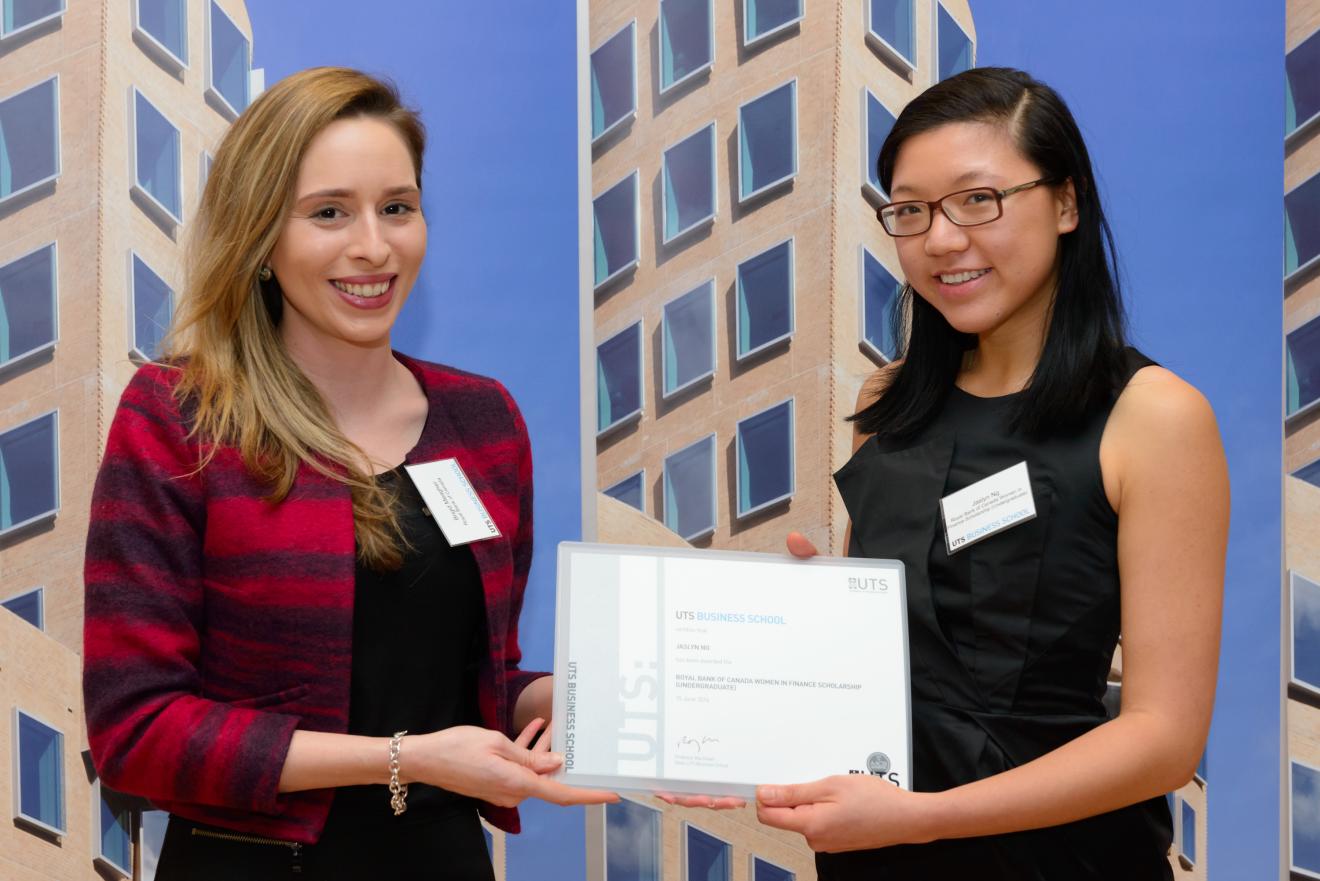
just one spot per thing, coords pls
(706, 858)
(157, 159)
(880, 294)
(632, 842)
(619, 378)
(164, 25)
(1301, 226)
(1303, 356)
(687, 40)
(204, 174)
(616, 230)
(29, 139)
(630, 491)
(689, 489)
(879, 122)
(762, 19)
(39, 770)
(20, 15)
(614, 82)
(114, 831)
(1303, 96)
(490, 841)
(28, 305)
(1304, 818)
(889, 27)
(1305, 633)
(1187, 838)
(688, 333)
(767, 141)
(765, 458)
(954, 49)
(767, 871)
(30, 606)
(1310, 473)
(230, 62)
(29, 472)
(689, 183)
(151, 839)
(764, 315)
(153, 309)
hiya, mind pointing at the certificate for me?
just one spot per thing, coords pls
(710, 672)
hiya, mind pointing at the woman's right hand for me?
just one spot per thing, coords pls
(485, 764)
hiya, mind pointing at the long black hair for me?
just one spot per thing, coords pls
(1081, 362)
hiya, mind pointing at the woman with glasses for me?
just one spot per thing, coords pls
(281, 648)
(1015, 370)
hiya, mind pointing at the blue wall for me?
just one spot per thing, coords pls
(496, 85)
(1181, 103)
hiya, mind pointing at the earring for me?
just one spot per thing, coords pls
(264, 274)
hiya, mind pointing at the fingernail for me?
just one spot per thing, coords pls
(767, 793)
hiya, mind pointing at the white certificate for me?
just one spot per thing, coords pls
(710, 672)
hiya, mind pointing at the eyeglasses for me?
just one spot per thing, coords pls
(964, 208)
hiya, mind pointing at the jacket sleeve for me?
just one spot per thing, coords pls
(515, 680)
(150, 731)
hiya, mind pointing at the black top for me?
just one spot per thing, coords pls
(419, 634)
(1011, 639)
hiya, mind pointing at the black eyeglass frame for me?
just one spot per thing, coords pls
(938, 205)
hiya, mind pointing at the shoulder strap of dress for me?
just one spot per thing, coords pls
(1133, 360)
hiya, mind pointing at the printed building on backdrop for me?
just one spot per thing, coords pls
(1301, 316)
(741, 294)
(108, 111)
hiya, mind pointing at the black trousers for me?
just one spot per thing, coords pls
(444, 848)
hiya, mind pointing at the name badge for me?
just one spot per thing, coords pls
(987, 507)
(452, 501)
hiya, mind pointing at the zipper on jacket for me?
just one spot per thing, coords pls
(295, 848)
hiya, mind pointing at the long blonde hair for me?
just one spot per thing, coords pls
(245, 390)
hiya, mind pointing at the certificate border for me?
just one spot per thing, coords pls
(651, 785)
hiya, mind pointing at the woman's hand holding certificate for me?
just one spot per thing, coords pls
(848, 812)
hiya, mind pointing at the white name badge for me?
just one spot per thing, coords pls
(452, 501)
(987, 507)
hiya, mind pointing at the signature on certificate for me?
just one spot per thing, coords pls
(693, 742)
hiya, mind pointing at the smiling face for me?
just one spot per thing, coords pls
(997, 275)
(354, 239)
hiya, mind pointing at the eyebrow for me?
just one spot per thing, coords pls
(959, 182)
(342, 193)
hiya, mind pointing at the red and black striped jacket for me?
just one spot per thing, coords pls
(217, 623)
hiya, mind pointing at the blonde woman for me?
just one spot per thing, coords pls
(270, 606)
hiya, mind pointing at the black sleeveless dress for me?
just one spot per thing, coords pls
(1011, 638)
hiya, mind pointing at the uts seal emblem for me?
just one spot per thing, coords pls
(877, 763)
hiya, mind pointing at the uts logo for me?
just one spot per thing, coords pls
(858, 584)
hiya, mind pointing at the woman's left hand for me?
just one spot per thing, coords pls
(846, 812)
